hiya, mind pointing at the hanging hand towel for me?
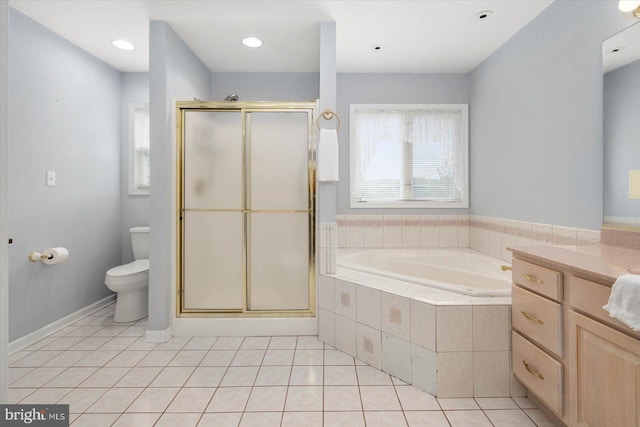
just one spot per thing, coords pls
(624, 302)
(328, 155)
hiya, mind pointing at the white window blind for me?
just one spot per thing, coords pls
(409, 156)
(139, 174)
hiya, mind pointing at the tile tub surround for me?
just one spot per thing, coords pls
(447, 344)
(327, 248)
(491, 236)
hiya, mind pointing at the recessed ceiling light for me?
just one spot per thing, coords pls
(123, 44)
(251, 42)
(617, 49)
(485, 14)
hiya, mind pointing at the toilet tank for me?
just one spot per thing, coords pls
(140, 242)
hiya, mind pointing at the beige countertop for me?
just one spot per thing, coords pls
(598, 262)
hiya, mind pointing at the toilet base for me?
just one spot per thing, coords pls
(132, 305)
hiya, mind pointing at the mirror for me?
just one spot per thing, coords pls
(621, 108)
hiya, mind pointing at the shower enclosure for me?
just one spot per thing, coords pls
(246, 194)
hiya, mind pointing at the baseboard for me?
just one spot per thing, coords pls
(158, 336)
(38, 334)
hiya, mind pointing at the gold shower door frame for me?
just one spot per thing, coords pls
(244, 109)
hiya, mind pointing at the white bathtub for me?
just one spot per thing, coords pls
(463, 271)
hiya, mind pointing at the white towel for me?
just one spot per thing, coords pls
(624, 302)
(328, 155)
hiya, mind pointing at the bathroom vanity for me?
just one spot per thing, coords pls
(582, 364)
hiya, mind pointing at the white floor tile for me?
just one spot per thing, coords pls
(200, 343)
(307, 375)
(105, 377)
(368, 375)
(308, 357)
(379, 398)
(229, 399)
(80, 399)
(240, 376)
(248, 358)
(302, 419)
(458, 403)
(261, 419)
(136, 420)
(255, 343)
(218, 358)
(191, 400)
(385, 419)
(95, 420)
(283, 343)
(496, 403)
(206, 376)
(153, 400)
(413, 399)
(46, 396)
(182, 420)
(273, 375)
(115, 400)
(172, 376)
(140, 376)
(337, 357)
(344, 419)
(342, 398)
(188, 358)
(278, 357)
(221, 419)
(304, 398)
(340, 375)
(509, 418)
(467, 419)
(267, 399)
(426, 418)
(227, 343)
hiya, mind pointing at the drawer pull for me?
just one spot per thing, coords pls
(532, 371)
(532, 317)
(531, 278)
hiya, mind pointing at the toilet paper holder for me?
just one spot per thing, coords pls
(35, 256)
(50, 256)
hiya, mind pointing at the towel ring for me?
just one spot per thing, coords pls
(328, 115)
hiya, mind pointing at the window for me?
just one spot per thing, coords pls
(409, 156)
(139, 158)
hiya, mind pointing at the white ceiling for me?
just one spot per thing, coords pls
(628, 43)
(427, 36)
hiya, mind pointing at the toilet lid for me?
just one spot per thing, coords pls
(138, 266)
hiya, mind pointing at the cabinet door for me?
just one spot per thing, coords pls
(604, 375)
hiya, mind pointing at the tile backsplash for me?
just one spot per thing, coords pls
(488, 235)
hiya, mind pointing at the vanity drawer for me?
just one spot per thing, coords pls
(539, 279)
(539, 372)
(589, 297)
(538, 318)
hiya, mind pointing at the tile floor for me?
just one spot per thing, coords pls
(110, 376)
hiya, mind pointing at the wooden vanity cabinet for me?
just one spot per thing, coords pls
(581, 363)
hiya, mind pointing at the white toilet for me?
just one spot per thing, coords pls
(131, 281)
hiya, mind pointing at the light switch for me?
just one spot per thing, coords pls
(634, 184)
(51, 179)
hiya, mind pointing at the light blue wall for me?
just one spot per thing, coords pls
(327, 191)
(621, 139)
(359, 88)
(536, 119)
(134, 210)
(265, 86)
(4, 249)
(64, 117)
(176, 74)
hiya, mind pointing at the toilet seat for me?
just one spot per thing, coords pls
(135, 271)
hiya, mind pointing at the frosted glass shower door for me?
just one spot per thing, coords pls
(212, 217)
(279, 210)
